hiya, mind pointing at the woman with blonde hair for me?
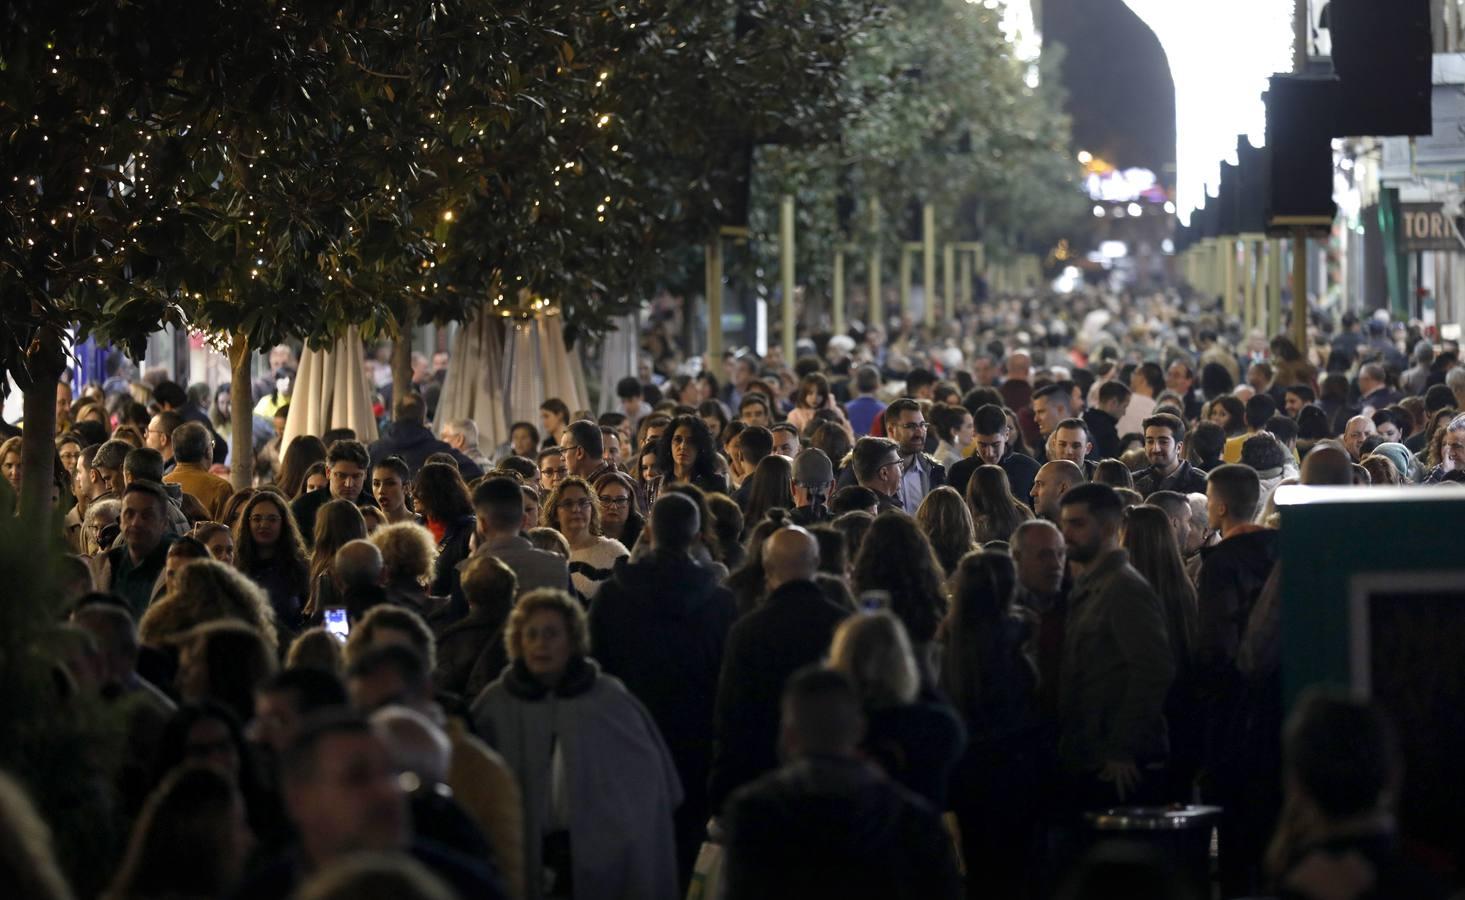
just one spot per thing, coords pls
(947, 523)
(916, 742)
(598, 783)
(204, 591)
(574, 510)
(995, 512)
(337, 523)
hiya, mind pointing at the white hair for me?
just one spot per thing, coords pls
(468, 429)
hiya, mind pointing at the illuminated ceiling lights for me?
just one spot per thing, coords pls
(1221, 53)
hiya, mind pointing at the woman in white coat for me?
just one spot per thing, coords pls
(597, 781)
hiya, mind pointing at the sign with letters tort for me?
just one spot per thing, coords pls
(1424, 226)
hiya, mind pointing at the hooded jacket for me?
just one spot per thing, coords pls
(414, 443)
(828, 826)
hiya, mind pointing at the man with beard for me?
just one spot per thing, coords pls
(1169, 470)
(1117, 665)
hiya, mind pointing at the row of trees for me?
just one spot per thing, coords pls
(938, 108)
(260, 171)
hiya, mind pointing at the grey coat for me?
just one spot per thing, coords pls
(621, 783)
(1117, 669)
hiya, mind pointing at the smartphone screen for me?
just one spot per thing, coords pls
(337, 624)
(874, 601)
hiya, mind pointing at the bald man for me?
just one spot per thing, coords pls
(791, 629)
(1051, 483)
(1358, 430)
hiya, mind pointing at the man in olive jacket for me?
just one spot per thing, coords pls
(1117, 665)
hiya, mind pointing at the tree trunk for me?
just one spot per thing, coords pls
(241, 414)
(402, 355)
(44, 364)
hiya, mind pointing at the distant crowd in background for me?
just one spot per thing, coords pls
(884, 620)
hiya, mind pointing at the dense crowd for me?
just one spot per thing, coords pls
(882, 621)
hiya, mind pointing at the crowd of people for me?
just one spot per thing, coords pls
(881, 621)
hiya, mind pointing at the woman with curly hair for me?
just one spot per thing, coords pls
(686, 455)
(442, 499)
(896, 559)
(409, 557)
(295, 464)
(573, 510)
(271, 553)
(337, 523)
(204, 591)
(995, 512)
(947, 523)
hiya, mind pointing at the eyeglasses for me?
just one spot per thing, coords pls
(614, 501)
(582, 503)
(1452, 447)
(914, 426)
(554, 473)
(264, 520)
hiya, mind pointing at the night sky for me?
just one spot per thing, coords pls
(1120, 93)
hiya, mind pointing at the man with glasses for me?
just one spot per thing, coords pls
(584, 450)
(1452, 454)
(346, 469)
(920, 473)
(159, 436)
(876, 465)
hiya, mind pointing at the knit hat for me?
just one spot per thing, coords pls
(812, 468)
(1399, 455)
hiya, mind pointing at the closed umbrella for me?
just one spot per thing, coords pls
(618, 357)
(331, 392)
(474, 387)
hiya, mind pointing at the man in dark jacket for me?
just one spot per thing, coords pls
(1117, 665)
(1169, 470)
(346, 469)
(131, 569)
(660, 625)
(791, 629)
(1102, 420)
(829, 824)
(1240, 767)
(409, 438)
(990, 424)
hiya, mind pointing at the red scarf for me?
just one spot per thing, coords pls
(437, 528)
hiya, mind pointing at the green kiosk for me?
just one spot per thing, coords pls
(1373, 598)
